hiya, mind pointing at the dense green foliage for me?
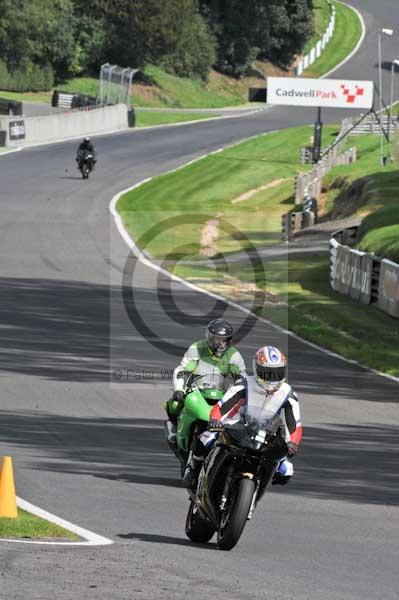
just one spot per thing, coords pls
(40, 38)
(273, 29)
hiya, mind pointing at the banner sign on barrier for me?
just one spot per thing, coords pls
(17, 129)
(333, 93)
(388, 288)
(356, 274)
(343, 269)
(367, 275)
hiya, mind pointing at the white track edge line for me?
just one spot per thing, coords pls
(140, 255)
(10, 151)
(93, 539)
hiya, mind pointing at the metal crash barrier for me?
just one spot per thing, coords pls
(68, 100)
(366, 278)
(10, 107)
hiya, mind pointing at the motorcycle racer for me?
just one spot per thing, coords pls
(85, 147)
(267, 382)
(214, 355)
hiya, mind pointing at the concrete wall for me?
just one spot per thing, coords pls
(66, 125)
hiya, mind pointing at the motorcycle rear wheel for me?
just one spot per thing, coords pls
(198, 529)
(233, 524)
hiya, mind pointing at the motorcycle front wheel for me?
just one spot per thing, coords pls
(233, 522)
(198, 528)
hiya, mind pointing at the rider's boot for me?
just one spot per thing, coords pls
(171, 429)
(284, 472)
(172, 410)
(193, 468)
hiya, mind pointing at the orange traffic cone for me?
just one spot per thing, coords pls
(8, 500)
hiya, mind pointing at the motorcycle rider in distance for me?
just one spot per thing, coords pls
(267, 382)
(214, 355)
(85, 147)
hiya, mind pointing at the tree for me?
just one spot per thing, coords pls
(291, 24)
(144, 31)
(38, 32)
(273, 29)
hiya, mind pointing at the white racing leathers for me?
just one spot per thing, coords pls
(249, 394)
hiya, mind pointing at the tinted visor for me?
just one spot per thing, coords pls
(271, 374)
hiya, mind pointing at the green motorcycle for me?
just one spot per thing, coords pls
(202, 392)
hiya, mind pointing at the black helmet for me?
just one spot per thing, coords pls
(219, 335)
(86, 140)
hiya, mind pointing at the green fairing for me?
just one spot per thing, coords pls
(196, 408)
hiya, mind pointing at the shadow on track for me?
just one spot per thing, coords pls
(164, 539)
(60, 330)
(336, 462)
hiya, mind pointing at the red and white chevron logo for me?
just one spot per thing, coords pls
(352, 94)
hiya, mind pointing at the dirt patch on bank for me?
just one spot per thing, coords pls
(209, 237)
(250, 193)
(235, 289)
(352, 196)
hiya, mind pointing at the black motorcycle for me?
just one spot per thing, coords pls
(234, 477)
(86, 164)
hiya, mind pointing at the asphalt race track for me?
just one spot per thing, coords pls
(89, 446)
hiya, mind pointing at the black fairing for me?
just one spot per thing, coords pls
(238, 452)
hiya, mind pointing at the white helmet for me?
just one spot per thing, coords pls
(270, 366)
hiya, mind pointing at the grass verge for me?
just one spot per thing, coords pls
(366, 189)
(250, 186)
(321, 11)
(27, 96)
(150, 118)
(347, 33)
(29, 526)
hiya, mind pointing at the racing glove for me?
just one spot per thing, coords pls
(292, 449)
(178, 395)
(215, 424)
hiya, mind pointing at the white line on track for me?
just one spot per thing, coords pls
(92, 539)
(10, 151)
(146, 261)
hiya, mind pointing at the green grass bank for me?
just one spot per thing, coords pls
(347, 33)
(250, 186)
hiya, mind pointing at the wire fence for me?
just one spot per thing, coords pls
(115, 84)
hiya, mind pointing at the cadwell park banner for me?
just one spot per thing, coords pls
(323, 93)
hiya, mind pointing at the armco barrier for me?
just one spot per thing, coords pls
(62, 126)
(388, 289)
(10, 107)
(69, 100)
(356, 273)
(343, 271)
(364, 277)
(368, 291)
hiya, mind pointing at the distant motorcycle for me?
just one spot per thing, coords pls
(86, 164)
(234, 477)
